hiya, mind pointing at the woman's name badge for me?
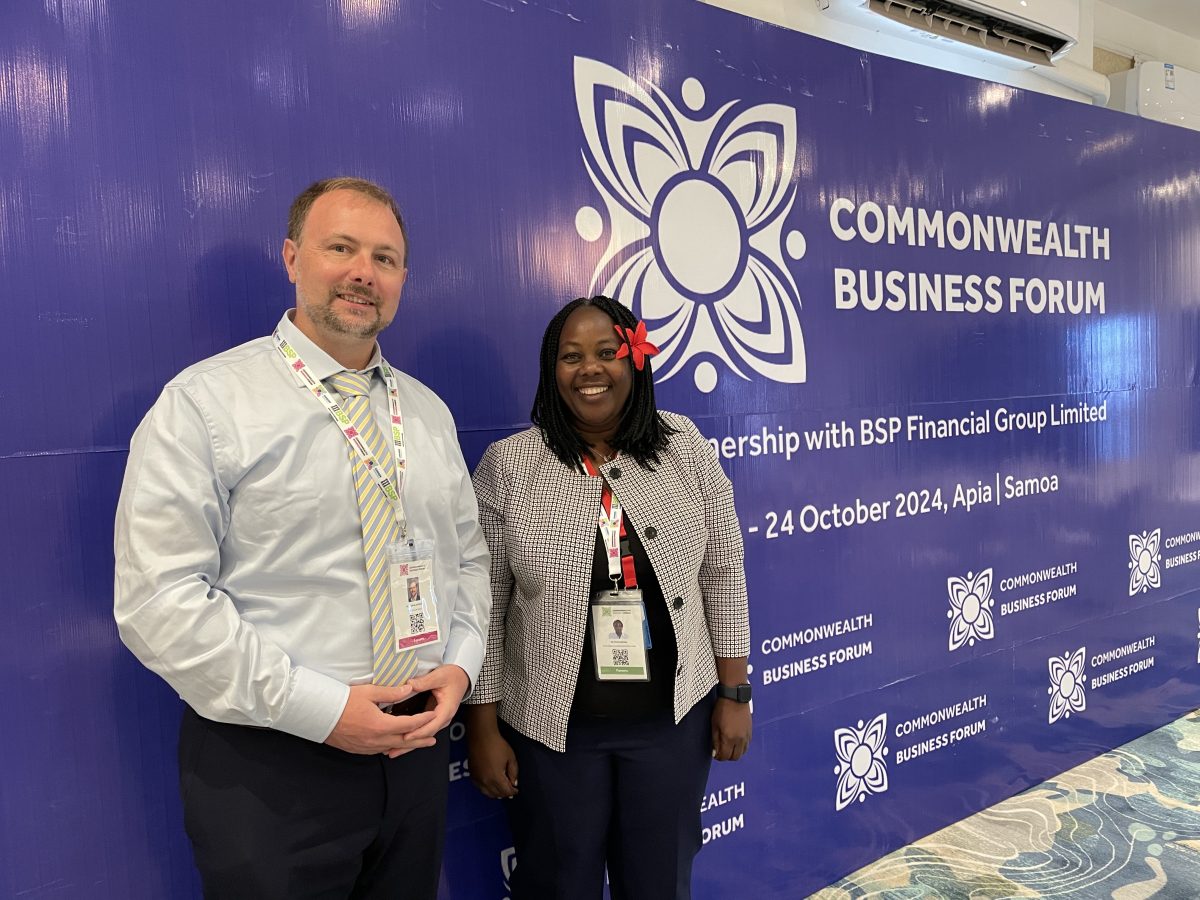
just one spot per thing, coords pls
(618, 636)
(414, 612)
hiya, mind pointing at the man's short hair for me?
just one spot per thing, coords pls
(303, 203)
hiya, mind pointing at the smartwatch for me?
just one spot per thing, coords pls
(738, 694)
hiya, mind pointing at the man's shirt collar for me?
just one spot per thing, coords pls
(319, 363)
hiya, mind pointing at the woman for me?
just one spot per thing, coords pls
(607, 510)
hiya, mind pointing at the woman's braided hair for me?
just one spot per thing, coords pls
(642, 433)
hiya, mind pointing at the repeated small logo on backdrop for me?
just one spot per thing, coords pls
(1144, 557)
(694, 202)
(508, 864)
(1066, 685)
(970, 612)
(862, 760)
(978, 601)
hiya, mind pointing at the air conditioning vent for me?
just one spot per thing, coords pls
(971, 26)
(1035, 32)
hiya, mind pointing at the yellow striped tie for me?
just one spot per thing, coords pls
(379, 528)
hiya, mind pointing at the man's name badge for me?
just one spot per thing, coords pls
(618, 636)
(414, 611)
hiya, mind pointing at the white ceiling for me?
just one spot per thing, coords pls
(1179, 15)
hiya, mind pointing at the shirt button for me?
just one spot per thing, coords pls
(651, 532)
(614, 472)
(677, 603)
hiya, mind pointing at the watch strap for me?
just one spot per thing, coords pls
(738, 693)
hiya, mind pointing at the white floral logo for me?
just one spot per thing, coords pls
(1143, 561)
(970, 612)
(508, 864)
(1066, 685)
(695, 210)
(862, 766)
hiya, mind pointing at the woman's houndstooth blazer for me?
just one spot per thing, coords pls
(539, 518)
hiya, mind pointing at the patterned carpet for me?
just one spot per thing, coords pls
(1124, 826)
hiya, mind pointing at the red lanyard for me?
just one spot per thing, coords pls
(613, 544)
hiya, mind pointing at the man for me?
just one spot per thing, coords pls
(269, 495)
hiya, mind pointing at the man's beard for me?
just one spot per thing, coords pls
(353, 328)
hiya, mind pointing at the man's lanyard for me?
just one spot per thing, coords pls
(612, 531)
(305, 379)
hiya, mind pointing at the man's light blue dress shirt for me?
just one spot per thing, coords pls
(239, 563)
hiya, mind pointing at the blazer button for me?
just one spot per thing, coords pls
(614, 472)
(651, 532)
(677, 603)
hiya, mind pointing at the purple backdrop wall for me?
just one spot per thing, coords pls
(943, 333)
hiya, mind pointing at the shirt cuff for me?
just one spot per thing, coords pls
(313, 706)
(466, 652)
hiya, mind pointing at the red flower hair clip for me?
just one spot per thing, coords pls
(635, 344)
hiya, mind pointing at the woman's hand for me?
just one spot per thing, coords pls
(731, 729)
(730, 719)
(490, 758)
